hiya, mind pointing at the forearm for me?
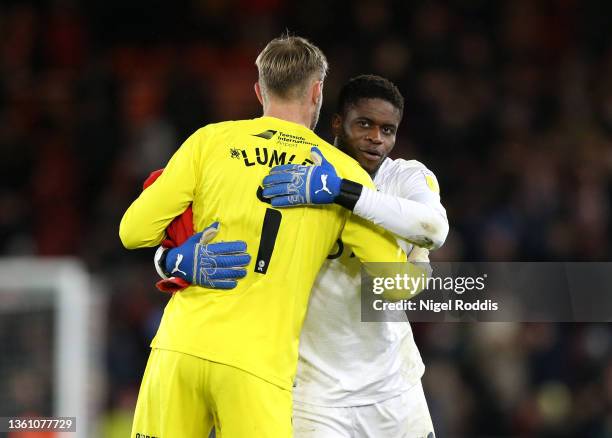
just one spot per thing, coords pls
(142, 226)
(408, 219)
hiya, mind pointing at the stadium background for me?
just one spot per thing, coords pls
(509, 102)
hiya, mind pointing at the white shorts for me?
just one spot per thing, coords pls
(403, 416)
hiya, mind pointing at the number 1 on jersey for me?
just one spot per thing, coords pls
(269, 231)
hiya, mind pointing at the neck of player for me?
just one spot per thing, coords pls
(290, 111)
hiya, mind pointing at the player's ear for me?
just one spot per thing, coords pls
(258, 93)
(317, 92)
(336, 125)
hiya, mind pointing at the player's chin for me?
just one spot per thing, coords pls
(370, 166)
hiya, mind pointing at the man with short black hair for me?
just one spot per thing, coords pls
(359, 379)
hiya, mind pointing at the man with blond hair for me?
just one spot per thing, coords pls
(227, 358)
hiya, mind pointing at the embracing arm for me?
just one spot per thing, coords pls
(415, 214)
(420, 220)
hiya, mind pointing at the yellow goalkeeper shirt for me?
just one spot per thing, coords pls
(219, 169)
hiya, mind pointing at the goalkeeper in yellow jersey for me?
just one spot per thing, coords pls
(228, 357)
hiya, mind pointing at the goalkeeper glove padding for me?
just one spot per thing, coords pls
(210, 265)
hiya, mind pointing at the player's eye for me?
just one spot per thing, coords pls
(363, 123)
(388, 131)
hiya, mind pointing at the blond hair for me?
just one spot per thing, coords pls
(287, 64)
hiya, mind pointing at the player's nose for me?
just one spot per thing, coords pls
(374, 135)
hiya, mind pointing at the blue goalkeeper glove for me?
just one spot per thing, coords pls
(294, 184)
(210, 265)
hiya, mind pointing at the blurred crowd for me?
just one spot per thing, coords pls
(508, 102)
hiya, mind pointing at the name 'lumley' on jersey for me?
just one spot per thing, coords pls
(268, 155)
(263, 156)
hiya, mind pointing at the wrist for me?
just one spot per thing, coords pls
(349, 194)
(159, 261)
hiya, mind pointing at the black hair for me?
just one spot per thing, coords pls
(369, 87)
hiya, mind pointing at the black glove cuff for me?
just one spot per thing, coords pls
(350, 192)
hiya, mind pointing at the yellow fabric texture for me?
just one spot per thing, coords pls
(185, 396)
